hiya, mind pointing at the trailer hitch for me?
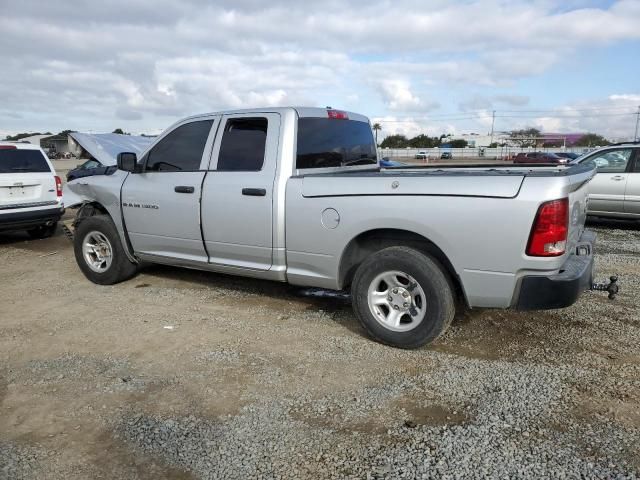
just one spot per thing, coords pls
(611, 287)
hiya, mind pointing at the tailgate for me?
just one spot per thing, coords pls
(27, 189)
(578, 199)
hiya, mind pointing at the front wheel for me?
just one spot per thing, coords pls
(402, 297)
(99, 252)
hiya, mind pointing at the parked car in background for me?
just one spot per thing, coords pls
(386, 162)
(615, 190)
(446, 156)
(539, 157)
(30, 190)
(88, 168)
(569, 155)
(422, 155)
(296, 195)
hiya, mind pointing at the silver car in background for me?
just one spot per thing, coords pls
(615, 190)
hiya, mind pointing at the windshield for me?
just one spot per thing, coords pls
(326, 142)
(13, 160)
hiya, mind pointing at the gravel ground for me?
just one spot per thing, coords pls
(181, 375)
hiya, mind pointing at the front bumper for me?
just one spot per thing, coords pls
(30, 219)
(564, 288)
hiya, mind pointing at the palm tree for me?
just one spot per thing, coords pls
(376, 127)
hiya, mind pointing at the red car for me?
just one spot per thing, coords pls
(539, 157)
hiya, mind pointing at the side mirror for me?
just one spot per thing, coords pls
(128, 162)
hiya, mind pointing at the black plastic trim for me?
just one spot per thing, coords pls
(562, 289)
(21, 220)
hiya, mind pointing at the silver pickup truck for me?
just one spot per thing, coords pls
(296, 195)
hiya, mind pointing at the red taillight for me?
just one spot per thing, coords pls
(8, 147)
(550, 229)
(58, 186)
(337, 115)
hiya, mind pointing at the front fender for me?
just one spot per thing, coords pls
(105, 191)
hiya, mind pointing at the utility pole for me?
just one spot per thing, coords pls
(493, 121)
(635, 136)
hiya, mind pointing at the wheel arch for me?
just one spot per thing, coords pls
(371, 241)
(91, 208)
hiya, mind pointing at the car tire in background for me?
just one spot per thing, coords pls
(99, 252)
(42, 231)
(403, 297)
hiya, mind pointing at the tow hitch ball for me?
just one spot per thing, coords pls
(611, 287)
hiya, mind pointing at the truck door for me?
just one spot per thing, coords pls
(237, 197)
(161, 205)
(606, 190)
(632, 190)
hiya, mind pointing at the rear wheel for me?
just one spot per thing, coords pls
(43, 231)
(99, 252)
(403, 297)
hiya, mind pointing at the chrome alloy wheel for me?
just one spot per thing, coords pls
(97, 251)
(397, 301)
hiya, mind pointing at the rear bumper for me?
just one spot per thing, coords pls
(32, 218)
(564, 288)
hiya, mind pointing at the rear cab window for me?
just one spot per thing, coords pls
(331, 142)
(15, 160)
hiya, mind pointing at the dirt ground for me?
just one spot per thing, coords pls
(82, 366)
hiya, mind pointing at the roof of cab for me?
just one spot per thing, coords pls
(302, 112)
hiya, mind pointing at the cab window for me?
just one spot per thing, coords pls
(243, 145)
(181, 149)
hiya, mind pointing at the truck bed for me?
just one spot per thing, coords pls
(458, 180)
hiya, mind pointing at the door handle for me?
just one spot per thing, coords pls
(184, 189)
(617, 178)
(254, 192)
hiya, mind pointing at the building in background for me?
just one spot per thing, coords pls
(559, 139)
(476, 140)
(61, 144)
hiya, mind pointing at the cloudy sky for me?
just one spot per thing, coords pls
(415, 66)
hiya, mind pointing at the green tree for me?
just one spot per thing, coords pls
(119, 131)
(592, 140)
(458, 143)
(376, 128)
(423, 141)
(527, 137)
(395, 141)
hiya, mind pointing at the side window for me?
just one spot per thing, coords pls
(181, 149)
(243, 145)
(636, 167)
(611, 161)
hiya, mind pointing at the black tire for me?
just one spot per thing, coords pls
(120, 269)
(431, 278)
(42, 231)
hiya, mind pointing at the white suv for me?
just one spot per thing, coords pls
(30, 190)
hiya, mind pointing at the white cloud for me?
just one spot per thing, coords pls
(398, 96)
(96, 64)
(614, 117)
